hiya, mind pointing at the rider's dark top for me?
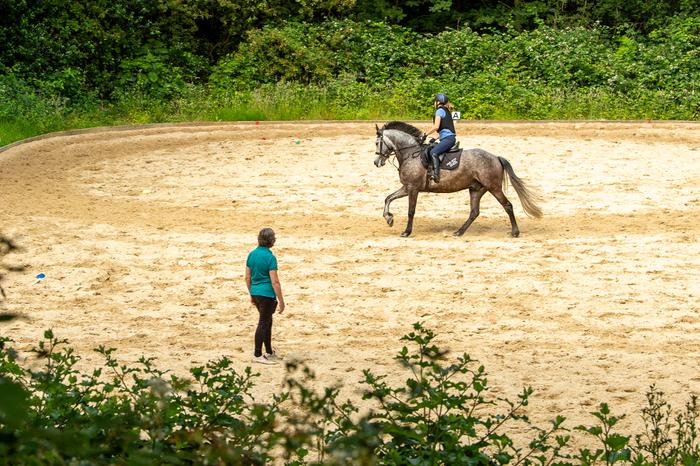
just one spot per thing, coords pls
(446, 122)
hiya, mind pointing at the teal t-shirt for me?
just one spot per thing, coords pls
(260, 262)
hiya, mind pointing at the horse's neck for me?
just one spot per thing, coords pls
(404, 144)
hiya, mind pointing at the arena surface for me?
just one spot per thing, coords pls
(142, 234)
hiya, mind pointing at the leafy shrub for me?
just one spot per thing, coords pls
(345, 69)
(136, 415)
(20, 101)
(315, 53)
(507, 74)
(150, 74)
(442, 414)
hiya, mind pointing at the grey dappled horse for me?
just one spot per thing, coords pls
(478, 170)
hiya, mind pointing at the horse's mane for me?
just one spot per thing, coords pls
(405, 127)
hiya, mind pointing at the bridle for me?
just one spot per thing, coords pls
(392, 151)
(380, 136)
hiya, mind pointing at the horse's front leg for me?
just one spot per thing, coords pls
(412, 201)
(388, 216)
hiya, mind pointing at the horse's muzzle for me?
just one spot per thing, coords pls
(380, 160)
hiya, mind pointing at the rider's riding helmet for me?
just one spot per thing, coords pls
(441, 99)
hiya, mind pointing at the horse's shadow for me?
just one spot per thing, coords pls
(579, 224)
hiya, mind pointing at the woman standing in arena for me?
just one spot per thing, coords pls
(265, 292)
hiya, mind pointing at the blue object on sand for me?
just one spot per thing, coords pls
(41, 276)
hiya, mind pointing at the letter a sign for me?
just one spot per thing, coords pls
(456, 115)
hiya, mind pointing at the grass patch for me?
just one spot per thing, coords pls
(338, 100)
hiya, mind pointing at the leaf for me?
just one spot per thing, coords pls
(616, 441)
(619, 455)
(593, 430)
(13, 403)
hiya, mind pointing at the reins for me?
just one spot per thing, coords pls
(391, 161)
(393, 152)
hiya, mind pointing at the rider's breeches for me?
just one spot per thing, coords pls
(443, 146)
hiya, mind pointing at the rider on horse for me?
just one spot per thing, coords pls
(444, 126)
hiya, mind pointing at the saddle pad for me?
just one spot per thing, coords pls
(450, 160)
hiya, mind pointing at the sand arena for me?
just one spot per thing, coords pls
(142, 234)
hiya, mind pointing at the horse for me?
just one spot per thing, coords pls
(479, 171)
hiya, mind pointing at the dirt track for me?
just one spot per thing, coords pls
(143, 234)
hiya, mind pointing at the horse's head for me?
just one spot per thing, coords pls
(384, 148)
(397, 138)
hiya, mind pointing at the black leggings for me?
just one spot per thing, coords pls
(263, 334)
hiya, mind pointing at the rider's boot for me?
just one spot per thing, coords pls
(436, 167)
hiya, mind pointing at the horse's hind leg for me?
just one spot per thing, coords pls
(475, 195)
(498, 194)
(388, 216)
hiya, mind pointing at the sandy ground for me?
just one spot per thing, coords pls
(143, 233)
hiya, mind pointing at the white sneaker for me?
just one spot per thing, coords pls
(272, 357)
(263, 359)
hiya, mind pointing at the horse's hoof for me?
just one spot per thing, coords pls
(405, 234)
(458, 233)
(515, 234)
(390, 221)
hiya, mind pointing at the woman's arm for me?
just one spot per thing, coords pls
(274, 278)
(436, 125)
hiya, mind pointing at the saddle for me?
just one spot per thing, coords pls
(448, 160)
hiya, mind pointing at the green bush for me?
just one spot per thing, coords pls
(442, 414)
(373, 52)
(25, 112)
(545, 73)
(345, 69)
(134, 415)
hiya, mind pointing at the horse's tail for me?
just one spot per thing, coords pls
(528, 198)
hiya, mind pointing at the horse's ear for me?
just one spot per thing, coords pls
(377, 127)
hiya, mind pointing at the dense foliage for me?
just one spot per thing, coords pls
(67, 64)
(442, 414)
